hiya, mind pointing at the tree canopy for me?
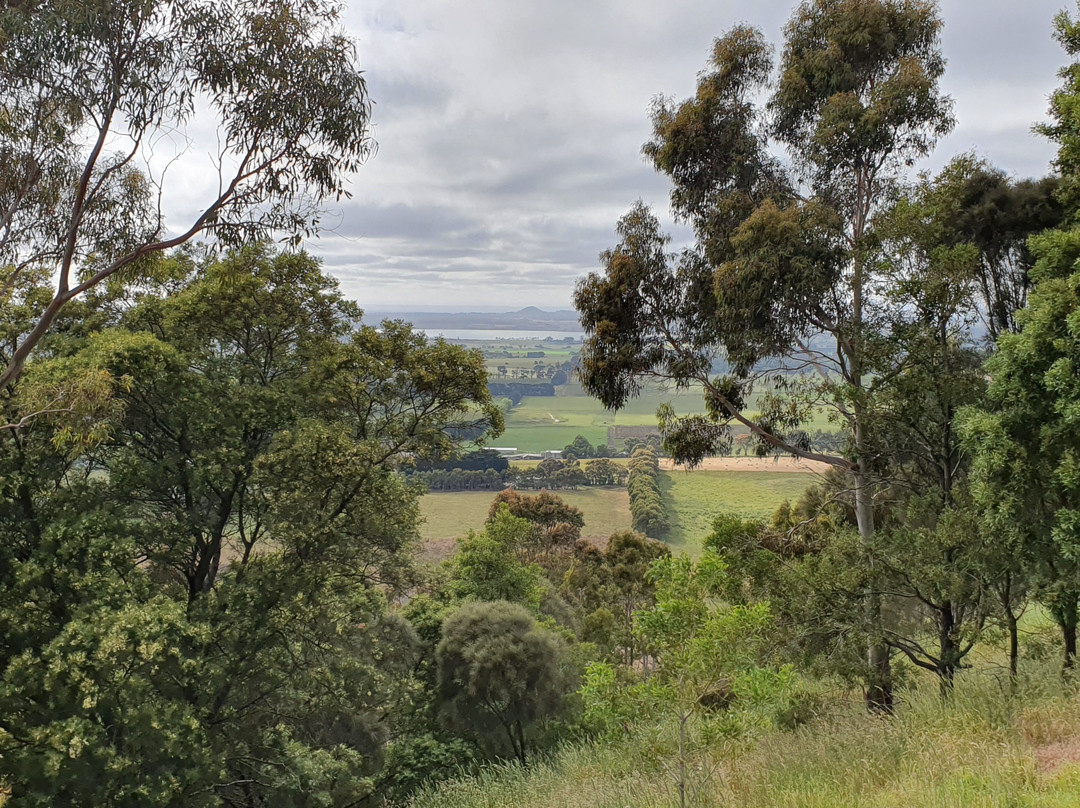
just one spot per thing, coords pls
(91, 88)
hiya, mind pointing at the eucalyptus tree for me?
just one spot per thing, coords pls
(783, 270)
(93, 95)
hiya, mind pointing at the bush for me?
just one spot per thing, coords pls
(500, 675)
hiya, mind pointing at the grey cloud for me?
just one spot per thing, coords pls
(510, 132)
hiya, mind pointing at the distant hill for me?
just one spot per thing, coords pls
(529, 318)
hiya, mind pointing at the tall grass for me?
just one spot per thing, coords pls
(982, 747)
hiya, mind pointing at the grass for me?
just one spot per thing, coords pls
(450, 514)
(694, 498)
(552, 422)
(980, 749)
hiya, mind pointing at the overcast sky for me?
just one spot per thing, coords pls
(510, 132)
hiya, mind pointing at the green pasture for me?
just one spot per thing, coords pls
(694, 498)
(450, 514)
(551, 422)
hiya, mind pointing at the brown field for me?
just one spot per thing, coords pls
(785, 465)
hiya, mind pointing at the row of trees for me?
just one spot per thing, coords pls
(515, 391)
(864, 291)
(550, 473)
(556, 374)
(643, 485)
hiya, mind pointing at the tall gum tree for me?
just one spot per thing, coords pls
(782, 275)
(90, 91)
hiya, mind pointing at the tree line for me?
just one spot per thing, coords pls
(643, 485)
(549, 473)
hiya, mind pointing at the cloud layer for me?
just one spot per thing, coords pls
(510, 133)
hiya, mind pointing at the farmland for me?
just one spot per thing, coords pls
(551, 422)
(694, 498)
(537, 423)
(450, 515)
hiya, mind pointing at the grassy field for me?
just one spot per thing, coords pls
(694, 498)
(981, 749)
(552, 422)
(449, 515)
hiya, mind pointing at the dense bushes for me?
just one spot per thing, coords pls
(646, 506)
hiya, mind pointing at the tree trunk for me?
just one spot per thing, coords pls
(1065, 610)
(1069, 634)
(521, 743)
(879, 693)
(1014, 644)
(947, 650)
(681, 783)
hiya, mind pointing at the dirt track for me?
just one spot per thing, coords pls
(784, 464)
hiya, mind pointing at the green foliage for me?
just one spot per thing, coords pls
(87, 88)
(204, 592)
(709, 675)
(1065, 127)
(580, 448)
(642, 484)
(1024, 443)
(855, 98)
(605, 472)
(486, 566)
(500, 675)
(414, 762)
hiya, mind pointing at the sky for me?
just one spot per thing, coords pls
(509, 132)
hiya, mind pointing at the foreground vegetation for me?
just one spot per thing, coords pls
(980, 749)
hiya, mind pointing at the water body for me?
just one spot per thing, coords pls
(496, 334)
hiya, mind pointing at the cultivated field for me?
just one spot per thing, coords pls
(551, 422)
